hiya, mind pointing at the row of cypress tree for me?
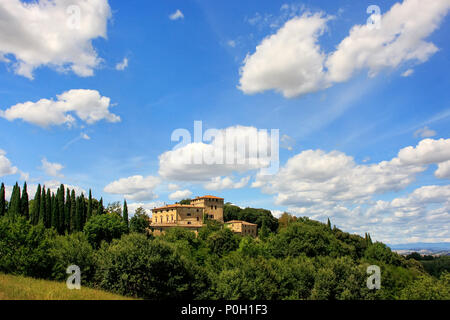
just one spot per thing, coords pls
(64, 211)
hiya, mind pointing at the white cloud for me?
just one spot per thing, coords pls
(180, 165)
(173, 187)
(323, 184)
(408, 73)
(219, 183)
(292, 62)
(424, 132)
(176, 15)
(426, 152)
(147, 206)
(135, 188)
(88, 105)
(122, 65)
(6, 168)
(56, 33)
(443, 171)
(52, 169)
(289, 61)
(315, 176)
(180, 194)
(85, 136)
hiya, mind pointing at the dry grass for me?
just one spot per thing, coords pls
(22, 288)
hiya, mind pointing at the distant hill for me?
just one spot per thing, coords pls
(432, 246)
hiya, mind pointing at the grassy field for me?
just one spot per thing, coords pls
(22, 288)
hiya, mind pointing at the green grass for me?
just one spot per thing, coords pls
(23, 288)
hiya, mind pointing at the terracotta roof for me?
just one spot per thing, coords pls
(209, 197)
(240, 221)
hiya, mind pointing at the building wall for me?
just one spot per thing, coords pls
(213, 207)
(178, 216)
(243, 228)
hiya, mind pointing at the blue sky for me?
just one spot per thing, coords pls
(376, 98)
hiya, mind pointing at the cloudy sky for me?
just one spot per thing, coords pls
(92, 93)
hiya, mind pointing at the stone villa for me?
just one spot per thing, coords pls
(191, 216)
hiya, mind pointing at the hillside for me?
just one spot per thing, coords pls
(23, 288)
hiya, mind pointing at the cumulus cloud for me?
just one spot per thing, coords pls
(289, 61)
(137, 188)
(323, 184)
(88, 105)
(292, 62)
(180, 194)
(443, 170)
(52, 169)
(228, 152)
(147, 206)
(219, 183)
(176, 15)
(6, 168)
(426, 152)
(424, 132)
(56, 33)
(122, 65)
(314, 176)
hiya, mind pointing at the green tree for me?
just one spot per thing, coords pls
(55, 213)
(2, 200)
(48, 209)
(104, 227)
(73, 211)
(89, 208)
(25, 208)
(158, 271)
(36, 205)
(14, 208)
(67, 211)
(125, 213)
(100, 208)
(140, 222)
(61, 209)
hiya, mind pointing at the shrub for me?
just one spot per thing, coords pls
(151, 269)
(104, 227)
(69, 250)
(24, 249)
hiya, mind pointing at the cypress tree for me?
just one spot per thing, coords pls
(100, 206)
(61, 210)
(36, 204)
(55, 213)
(73, 207)
(48, 209)
(78, 214)
(42, 211)
(67, 211)
(125, 213)
(83, 211)
(24, 202)
(329, 224)
(14, 204)
(89, 208)
(2, 201)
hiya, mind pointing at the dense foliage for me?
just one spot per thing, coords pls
(297, 258)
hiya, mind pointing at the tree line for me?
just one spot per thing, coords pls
(65, 211)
